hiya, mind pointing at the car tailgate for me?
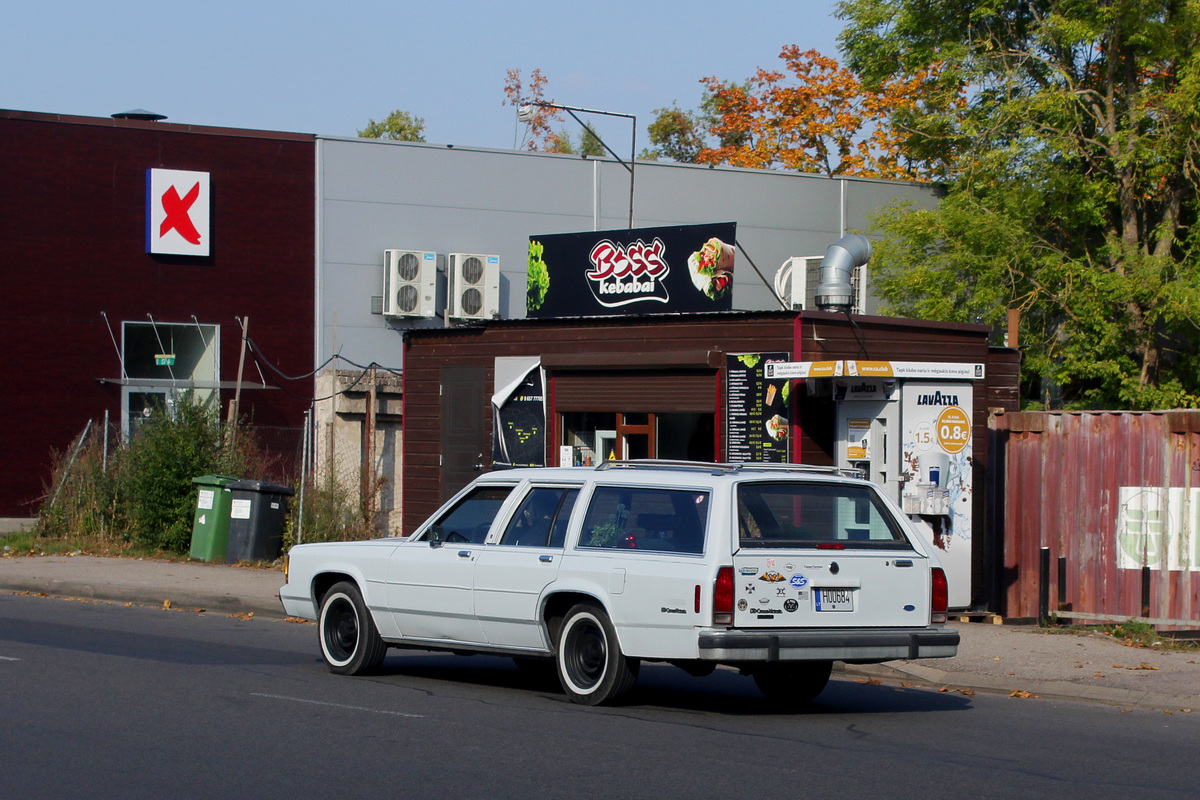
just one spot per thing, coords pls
(842, 588)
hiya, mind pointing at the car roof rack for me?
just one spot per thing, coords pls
(716, 468)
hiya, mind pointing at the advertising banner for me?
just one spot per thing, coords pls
(668, 270)
(937, 460)
(1157, 528)
(519, 419)
(757, 411)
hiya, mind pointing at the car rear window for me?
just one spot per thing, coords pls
(656, 520)
(816, 515)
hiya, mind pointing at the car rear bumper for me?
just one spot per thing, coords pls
(828, 644)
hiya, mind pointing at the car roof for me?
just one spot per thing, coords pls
(660, 471)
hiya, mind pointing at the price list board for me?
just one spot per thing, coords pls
(757, 411)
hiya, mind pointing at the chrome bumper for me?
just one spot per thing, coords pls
(828, 644)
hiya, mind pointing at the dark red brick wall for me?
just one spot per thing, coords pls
(72, 245)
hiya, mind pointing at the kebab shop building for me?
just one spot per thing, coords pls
(631, 350)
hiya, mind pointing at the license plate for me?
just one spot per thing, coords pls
(834, 599)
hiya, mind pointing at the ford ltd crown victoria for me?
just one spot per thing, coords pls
(777, 570)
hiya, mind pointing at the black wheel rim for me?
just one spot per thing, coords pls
(587, 654)
(341, 629)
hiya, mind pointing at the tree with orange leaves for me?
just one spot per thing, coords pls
(539, 135)
(818, 117)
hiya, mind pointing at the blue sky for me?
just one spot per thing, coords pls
(329, 67)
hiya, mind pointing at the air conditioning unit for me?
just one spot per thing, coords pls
(473, 286)
(409, 283)
(802, 274)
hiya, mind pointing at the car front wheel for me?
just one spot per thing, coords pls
(350, 641)
(591, 668)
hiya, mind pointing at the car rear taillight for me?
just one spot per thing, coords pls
(939, 596)
(723, 597)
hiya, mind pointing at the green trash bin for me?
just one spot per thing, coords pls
(210, 529)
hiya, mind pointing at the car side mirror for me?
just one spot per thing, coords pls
(437, 535)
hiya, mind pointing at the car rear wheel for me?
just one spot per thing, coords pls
(591, 668)
(793, 684)
(350, 641)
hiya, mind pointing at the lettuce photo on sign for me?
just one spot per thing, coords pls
(538, 276)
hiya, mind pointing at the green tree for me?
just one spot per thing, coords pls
(1071, 183)
(399, 126)
(589, 143)
(676, 134)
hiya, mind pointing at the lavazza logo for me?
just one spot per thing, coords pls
(624, 274)
(937, 399)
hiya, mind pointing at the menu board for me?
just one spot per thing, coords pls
(757, 411)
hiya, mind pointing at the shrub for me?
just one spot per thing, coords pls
(145, 496)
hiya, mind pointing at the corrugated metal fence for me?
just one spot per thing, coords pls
(1099, 514)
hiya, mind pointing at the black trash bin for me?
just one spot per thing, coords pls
(257, 513)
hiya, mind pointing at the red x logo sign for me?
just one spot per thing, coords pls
(177, 214)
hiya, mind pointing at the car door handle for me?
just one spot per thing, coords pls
(545, 559)
(464, 553)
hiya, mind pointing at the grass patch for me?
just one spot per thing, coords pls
(1135, 634)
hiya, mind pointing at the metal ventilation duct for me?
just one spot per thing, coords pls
(834, 292)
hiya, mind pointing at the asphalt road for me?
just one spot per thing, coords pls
(107, 701)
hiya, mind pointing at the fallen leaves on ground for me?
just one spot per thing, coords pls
(1020, 693)
(869, 681)
(299, 620)
(242, 615)
(166, 605)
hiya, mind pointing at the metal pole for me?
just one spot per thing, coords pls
(632, 161)
(1044, 587)
(305, 452)
(1146, 591)
(237, 391)
(71, 462)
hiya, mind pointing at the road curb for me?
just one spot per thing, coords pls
(928, 676)
(270, 609)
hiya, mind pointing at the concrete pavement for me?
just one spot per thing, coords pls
(1015, 660)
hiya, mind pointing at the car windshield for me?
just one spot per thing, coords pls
(817, 515)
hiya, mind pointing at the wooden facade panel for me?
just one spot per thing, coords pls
(678, 391)
(657, 363)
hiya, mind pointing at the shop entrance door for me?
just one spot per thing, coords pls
(137, 404)
(464, 442)
(637, 434)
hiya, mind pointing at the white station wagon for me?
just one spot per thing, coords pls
(778, 570)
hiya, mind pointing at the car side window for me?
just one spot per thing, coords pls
(659, 520)
(541, 519)
(471, 517)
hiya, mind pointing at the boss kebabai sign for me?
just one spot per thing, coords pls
(670, 270)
